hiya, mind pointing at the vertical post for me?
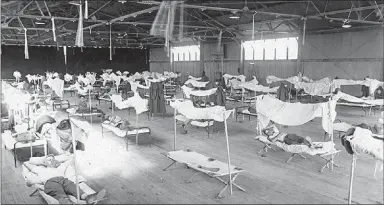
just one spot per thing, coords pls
(228, 156)
(201, 46)
(241, 57)
(331, 128)
(113, 105)
(90, 104)
(351, 178)
(172, 67)
(300, 47)
(75, 164)
(174, 134)
(137, 127)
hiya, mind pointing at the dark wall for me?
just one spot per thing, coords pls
(42, 59)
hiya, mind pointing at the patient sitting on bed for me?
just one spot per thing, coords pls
(274, 135)
(51, 174)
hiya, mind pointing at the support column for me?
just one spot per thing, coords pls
(241, 65)
(300, 66)
(201, 45)
(171, 68)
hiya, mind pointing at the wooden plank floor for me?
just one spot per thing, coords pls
(136, 176)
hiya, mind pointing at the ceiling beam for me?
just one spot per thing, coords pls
(344, 11)
(101, 7)
(350, 20)
(240, 10)
(134, 14)
(56, 18)
(176, 25)
(223, 27)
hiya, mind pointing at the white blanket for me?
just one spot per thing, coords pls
(196, 83)
(354, 99)
(186, 108)
(57, 86)
(67, 77)
(315, 88)
(140, 104)
(293, 79)
(294, 114)
(201, 93)
(363, 142)
(258, 88)
(135, 85)
(193, 78)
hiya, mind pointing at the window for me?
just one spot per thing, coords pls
(281, 48)
(186, 53)
(271, 49)
(293, 49)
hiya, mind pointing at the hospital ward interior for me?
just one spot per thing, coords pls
(192, 102)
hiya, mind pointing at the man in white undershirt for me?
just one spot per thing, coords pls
(55, 184)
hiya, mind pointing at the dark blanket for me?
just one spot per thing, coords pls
(42, 120)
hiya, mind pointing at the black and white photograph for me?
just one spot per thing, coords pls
(192, 102)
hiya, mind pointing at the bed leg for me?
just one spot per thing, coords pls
(14, 153)
(264, 148)
(290, 157)
(169, 166)
(34, 192)
(302, 156)
(190, 178)
(126, 142)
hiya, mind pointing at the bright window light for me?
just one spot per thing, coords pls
(271, 49)
(281, 48)
(292, 48)
(186, 53)
(269, 46)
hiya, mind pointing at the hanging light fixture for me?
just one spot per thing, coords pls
(346, 21)
(346, 24)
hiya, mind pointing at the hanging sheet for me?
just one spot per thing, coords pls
(294, 114)
(140, 104)
(187, 109)
(201, 93)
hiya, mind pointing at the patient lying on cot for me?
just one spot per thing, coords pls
(118, 122)
(274, 135)
(51, 173)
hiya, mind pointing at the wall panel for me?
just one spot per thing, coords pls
(262, 69)
(349, 55)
